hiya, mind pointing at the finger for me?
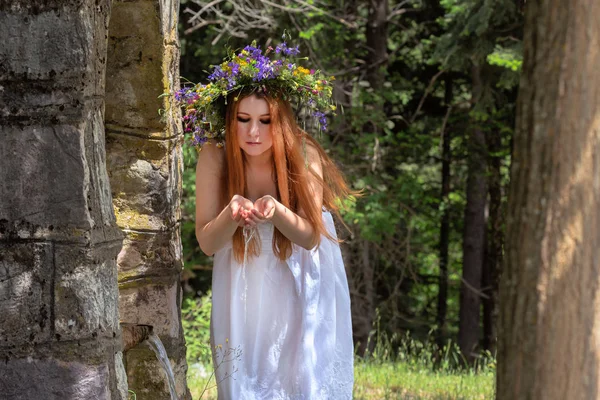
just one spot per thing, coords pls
(256, 219)
(258, 214)
(269, 211)
(235, 210)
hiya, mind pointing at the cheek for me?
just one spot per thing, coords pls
(268, 137)
(240, 130)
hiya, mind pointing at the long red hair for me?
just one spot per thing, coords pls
(290, 174)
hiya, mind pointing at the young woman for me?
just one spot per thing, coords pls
(280, 324)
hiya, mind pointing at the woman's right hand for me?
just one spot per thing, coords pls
(240, 208)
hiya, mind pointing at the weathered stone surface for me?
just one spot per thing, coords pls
(102, 211)
(52, 60)
(144, 161)
(25, 293)
(136, 74)
(24, 41)
(51, 379)
(58, 234)
(145, 180)
(150, 253)
(86, 302)
(62, 174)
(147, 378)
(45, 165)
(121, 376)
(156, 304)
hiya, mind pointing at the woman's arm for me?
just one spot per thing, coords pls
(215, 227)
(295, 226)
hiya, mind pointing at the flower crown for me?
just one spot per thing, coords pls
(252, 71)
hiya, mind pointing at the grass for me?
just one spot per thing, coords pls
(398, 367)
(387, 380)
(400, 381)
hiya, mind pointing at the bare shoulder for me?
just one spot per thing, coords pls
(313, 157)
(209, 173)
(211, 158)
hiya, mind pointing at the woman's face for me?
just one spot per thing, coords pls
(253, 129)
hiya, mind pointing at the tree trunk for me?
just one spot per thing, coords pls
(364, 279)
(362, 288)
(473, 240)
(445, 222)
(377, 35)
(549, 294)
(494, 245)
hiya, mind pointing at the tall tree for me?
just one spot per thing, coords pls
(376, 36)
(445, 222)
(494, 242)
(474, 232)
(548, 343)
(475, 41)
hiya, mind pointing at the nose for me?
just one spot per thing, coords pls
(254, 131)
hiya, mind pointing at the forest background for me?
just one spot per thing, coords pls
(426, 93)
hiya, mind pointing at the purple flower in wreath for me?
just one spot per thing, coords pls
(288, 51)
(255, 52)
(292, 51)
(280, 47)
(235, 68)
(218, 73)
(199, 140)
(230, 83)
(180, 94)
(322, 119)
(265, 69)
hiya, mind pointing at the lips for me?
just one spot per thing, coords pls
(252, 143)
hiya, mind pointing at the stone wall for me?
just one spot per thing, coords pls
(145, 165)
(59, 330)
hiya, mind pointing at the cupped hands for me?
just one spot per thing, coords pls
(245, 212)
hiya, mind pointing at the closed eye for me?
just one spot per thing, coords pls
(265, 121)
(243, 119)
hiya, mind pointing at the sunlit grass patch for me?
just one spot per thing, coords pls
(382, 381)
(400, 381)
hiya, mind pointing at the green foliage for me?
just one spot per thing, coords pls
(196, 327)
(509, 58)
(388, 137)
(311, 31)
(195, 261)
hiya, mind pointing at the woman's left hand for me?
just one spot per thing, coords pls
(264, 209)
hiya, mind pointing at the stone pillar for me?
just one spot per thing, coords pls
(145, 164)
(59, 324)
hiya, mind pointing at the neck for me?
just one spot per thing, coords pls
(261, 161)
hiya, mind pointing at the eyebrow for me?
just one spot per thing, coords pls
(263, 115)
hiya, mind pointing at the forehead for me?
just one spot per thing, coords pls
(253, 105)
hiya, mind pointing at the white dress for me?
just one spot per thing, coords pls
(282, 329)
